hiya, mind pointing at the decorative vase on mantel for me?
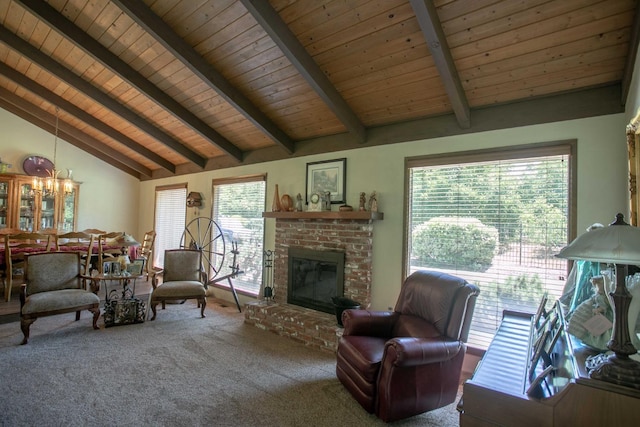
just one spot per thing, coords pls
(276, 207)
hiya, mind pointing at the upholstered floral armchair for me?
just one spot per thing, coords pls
(182, 278)
(53, 285)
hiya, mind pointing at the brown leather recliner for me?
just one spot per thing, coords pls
(406, 362)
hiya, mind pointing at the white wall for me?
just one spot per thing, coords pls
(602, 182)
(108, 197)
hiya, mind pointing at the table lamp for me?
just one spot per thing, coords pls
(125, 241)
(617, 244)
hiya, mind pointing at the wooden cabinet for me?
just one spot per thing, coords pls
(5, 185)
(22, 208)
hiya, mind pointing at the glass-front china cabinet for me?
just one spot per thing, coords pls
(5, 185)
(23, 208)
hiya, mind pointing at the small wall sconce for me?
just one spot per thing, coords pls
(194, 199)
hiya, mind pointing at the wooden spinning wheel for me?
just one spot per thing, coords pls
(205, 235)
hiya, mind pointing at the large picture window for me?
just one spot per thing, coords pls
(170, 219)
(496, 219)
(237, 208)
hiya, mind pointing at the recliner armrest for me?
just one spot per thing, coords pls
(368, 322)
(420, 351)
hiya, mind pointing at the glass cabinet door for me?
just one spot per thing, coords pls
(4, 203)
(69, 208)
(27, 207)
(47, 212)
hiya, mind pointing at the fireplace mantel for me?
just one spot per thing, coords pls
(361, 215)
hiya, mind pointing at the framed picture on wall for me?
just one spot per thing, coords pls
(329, 175)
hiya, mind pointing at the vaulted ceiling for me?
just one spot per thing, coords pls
(163, 87)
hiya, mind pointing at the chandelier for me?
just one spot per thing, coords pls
(51, 185)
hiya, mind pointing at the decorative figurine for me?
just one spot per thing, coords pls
(298, 207)
(326, 201)
(363, 201)
(373, 202)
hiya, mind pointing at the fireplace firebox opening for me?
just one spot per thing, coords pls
(315, 276)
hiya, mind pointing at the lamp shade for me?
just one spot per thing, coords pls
(127, 240)
(618, 243)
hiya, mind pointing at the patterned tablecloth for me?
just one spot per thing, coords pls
(62, 248)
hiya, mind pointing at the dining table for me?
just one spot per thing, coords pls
(69, 248)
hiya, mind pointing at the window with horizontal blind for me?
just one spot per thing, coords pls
(170, 220)
(237, 209)
(495, 218)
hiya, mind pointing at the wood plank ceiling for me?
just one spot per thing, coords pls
(164, 87)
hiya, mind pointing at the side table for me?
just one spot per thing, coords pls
(121, 307)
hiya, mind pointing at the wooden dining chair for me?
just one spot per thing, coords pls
(146, 252)
(16, 247)
(3, 271)
(94, 231)
(7, 230)
(81, 242)
(108, 250)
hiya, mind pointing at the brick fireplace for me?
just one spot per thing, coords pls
(350, 232)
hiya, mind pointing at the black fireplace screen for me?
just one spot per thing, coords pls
(314, 278)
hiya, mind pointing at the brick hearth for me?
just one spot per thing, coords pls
(351, 233)
(310, 327)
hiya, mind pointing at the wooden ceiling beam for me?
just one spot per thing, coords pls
(429, 22)
(634, 42)
(70, 134)
(593, 102)
(101, 54)
(154, 25)
(280, 33)
(44, 93)
(84, 87)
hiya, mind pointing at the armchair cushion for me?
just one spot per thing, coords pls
(178, 289)
(58, 300)
(412, 326)
(435, 304)
(53, 274)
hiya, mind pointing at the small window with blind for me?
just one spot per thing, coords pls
(495, 218)
(237, 209)
(170, 220)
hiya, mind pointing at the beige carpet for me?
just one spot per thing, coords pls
(178, 370)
